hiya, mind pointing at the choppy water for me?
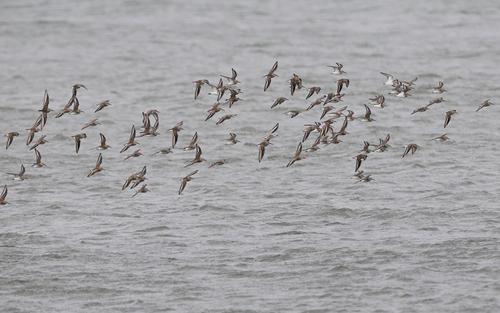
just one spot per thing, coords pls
(422, 237)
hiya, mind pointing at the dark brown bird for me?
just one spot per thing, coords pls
(410, 148)
(447, 117)
(103, 145)
(10, 138)
(197, 87)
(312, 91)
(4, 195)
(78, 138)
(368, 114)
(340, 83)
(295, 83)
(359, 159)
(175, 132)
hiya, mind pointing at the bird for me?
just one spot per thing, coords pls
(295, 83)
(337, 69)
(102, 105)
(270, 75)
(175, 132)
(143, 189)
(97, 167)
(197, 86)
(93, 122)
(233, 97)
(4, 195)
(163, 151)
(34, 129)
(38, 159)
(293, 113)
(312, 91)
(78, 138)
(192, 143)
(135, 179)
(410, 148)
(39, 142)
(340, 83)
(278, 101)
(197, 157)
(73, 101)
(45, 108)
(389, 77)
(217, 163)
(231, 79)
(368, 114)
(447, 117)
(214, 109)
(131, 140)
(20, 175)
(315, 145)
(135, 154)
(421, 109)
(484, 104)
(232, 139)
(10, 138)
(103, 145)
(378, 101)
(443, 137)
(439, 88)
(316, 102)
(185, 180)
(224, 118)
(359, 159)
(262, 149)
(296, 156)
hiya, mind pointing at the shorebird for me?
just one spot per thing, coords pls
(38, 159)
(295, 83)
(359, 159)
(315, 145)
(296, 156)
(278, 101)
(175, 132)
(337, 69)
(197, 86)
(45, 109)
(378, 101)
(224, 118)
(10, 137)
(410, 148)
(390, 79)
(232, 139)
(309, 128)
(34, 129)
(316, 102)
(293, 113)
(436, 100)
(102, 105)
(135, 178)
(214, 109)
(135, 154)
(73, 101)
(326, 109)
(102, 145)
(131, 140)
(233, 97)
(270, 75)
(185, 180)
(447, 117)
(484, 104)
(443, 137)
(143, 189)
(197, 158)
(39, 142)
(421, 109)
(78, 138)
(368, 114)
(4, 195)
(312, 91)
(340, 83)
(20, 175)
(439, 88)
(231, 79)
(342, 131)
(217, 163)
(333, 97)
(383, 144)
(97, 167)
(93, 122)
(350, 115)
(193, 143)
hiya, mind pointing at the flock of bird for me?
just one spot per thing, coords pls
(229, 85)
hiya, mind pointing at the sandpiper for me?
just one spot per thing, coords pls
(368, 114)
(270, 75)
(97, 167)
(78, 138)
(447, 117)
(197, 87)
(340, 83)
(390, 79)
(410, 148)
(185, 180)
(10, 137)
(193, 143)
(143, 189)
(443, 137)
(20, 175)
(4, 195)
(102, 105)
(231, 79)
(214, 109)
(45, 109)
(439, 88)
(278, 101)
(103, 145)
(197, 158)
(135, 154)
(217, 163)
(131, 140)
(337, 69)
(93, 122)
(175, 132)
(359, 159)
(39, 142)
(484, 104)
(312, 91)
(38, 159)
(225, 117)
(232, 139)
(296, 156)
(295, 83)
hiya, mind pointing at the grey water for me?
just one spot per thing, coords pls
(423, 236)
